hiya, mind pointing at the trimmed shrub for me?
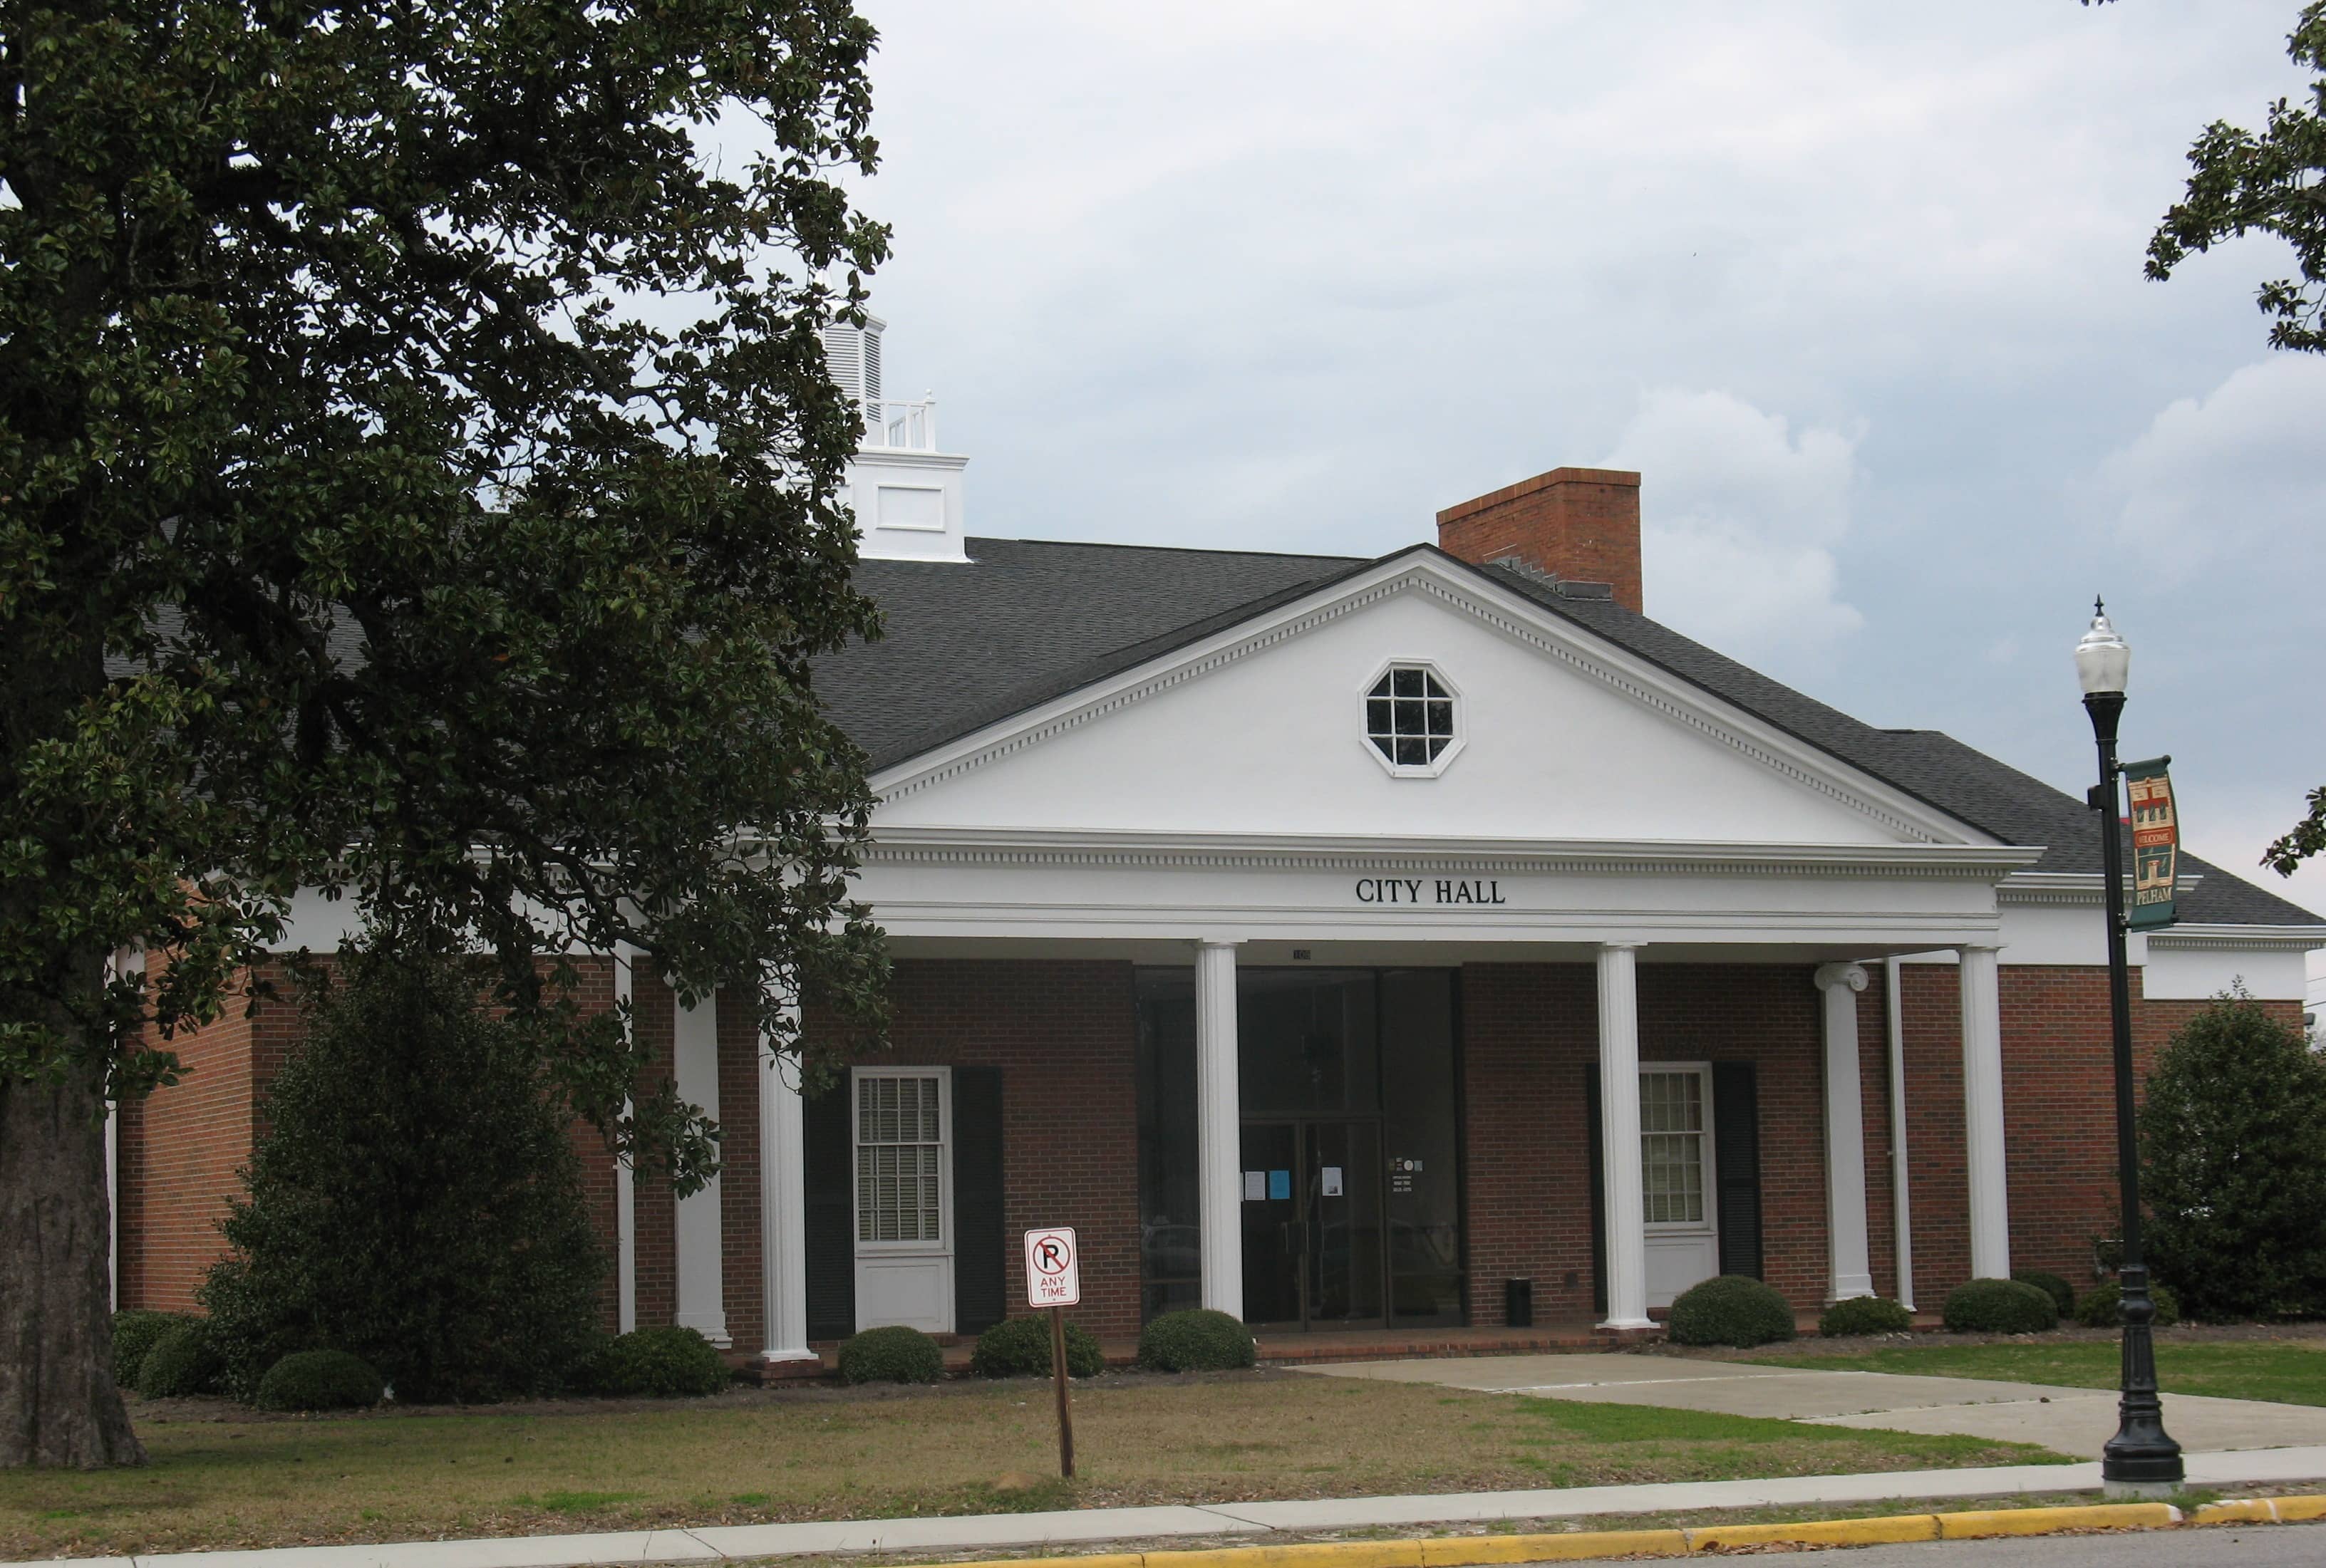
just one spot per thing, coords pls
(137, 1331)
(2233, 1155)
(186, 1361)
(2000, 1307)
(660, 1363)
(2098, 1307)
(1199, 1339)
(2062, 1294)
(895, 1354)
(1020, 1348)
(1729, 1309)
(320, 1380)
(1864, 1314)
(416, 1200)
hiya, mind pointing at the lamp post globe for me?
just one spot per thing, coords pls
(2141, 1460)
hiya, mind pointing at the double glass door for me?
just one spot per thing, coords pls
(1313, 1244)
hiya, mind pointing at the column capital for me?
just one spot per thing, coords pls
(1229, 943)
(1831, 975)
(1980, 947)
(1621, 946)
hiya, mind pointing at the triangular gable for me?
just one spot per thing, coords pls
(1258, 727)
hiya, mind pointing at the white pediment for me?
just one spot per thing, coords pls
(1260, 729)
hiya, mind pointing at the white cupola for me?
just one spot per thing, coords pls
(905, 493)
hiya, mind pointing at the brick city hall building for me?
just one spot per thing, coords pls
(1334, 941)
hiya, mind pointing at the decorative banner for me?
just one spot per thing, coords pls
(2156, 843)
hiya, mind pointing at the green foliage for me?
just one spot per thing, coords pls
(415, 1200)
(2062, 1294)
(895, 1354)
(184, 1361)
(2242, 183)
(1020, 1348)
(136, 1331)
(1864, 1314)
(2097, 1308)
(320, 1380)
(2000, 1307)
(1729, 1309)
(660, 1363)
(2233, 1156)
(421, 480)
(1197, 1340)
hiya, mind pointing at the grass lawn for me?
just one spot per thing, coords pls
(2285, 1371)
(748, 1456)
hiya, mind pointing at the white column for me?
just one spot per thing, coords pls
(783, 1206)
(1982, 1045)
(1219, 1128)
(1625, 1221)
(1845, 1136)
(702, 1287)
(625, 1207)
(1902, 1207)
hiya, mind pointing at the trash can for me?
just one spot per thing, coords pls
(1518, 1302)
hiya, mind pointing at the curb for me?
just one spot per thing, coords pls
(1571, 1546)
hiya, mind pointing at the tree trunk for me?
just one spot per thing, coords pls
(58, 1402)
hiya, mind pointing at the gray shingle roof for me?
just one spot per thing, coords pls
(1029, 620)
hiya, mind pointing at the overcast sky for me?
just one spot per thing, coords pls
(1857, 288)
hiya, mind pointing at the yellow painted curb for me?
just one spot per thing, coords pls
(1879, 1532)
(1579, 1545)
(1988, 1522)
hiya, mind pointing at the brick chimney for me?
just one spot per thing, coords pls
(1578, 524)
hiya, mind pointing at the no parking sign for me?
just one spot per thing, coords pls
(1053, 1275)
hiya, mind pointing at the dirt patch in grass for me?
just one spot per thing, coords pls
(223, 1477)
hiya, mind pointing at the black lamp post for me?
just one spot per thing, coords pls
(2141, 1460)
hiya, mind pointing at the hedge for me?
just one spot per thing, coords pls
(2000, 1307)
(1199, 1339)
(895, 1354)
(2097, 1308)
(320, 1380)
(1729, 1309)
(1020, 1348)
(2062, 1294)
(1864, 1314)
(661, 1363)
(137, 1331)
(184, 1362)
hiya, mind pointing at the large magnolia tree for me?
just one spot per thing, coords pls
(2269, 181)
(419, 478)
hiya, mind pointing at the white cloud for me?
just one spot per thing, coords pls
(2234, 473)
(1740, 517)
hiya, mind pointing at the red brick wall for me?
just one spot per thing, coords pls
(1064, 1035)
(1576, 523)
(654, 1017)
(1529, 1037)
(179, 1149)
(742, 1287)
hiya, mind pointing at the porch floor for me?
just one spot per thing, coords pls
(1579, 1337)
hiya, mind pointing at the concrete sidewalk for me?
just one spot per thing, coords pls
(1081, 1527)
(2076, 1421)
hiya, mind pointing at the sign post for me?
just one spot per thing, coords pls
(1054, 1280)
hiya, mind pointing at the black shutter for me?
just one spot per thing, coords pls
(825, 1147)
(979, 1244)
(1598, 1191)
(1736, 1156)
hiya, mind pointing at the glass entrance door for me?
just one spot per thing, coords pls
(1313, 1244)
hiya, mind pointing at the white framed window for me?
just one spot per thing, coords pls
(1676, 1146)
(903, 1128)
(1412, 716)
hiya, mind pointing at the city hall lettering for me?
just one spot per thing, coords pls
(1441, 890)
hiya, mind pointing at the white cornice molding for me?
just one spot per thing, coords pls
(2063, 887)
(1509, 613)
(2195, 936)
(1509, 857)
